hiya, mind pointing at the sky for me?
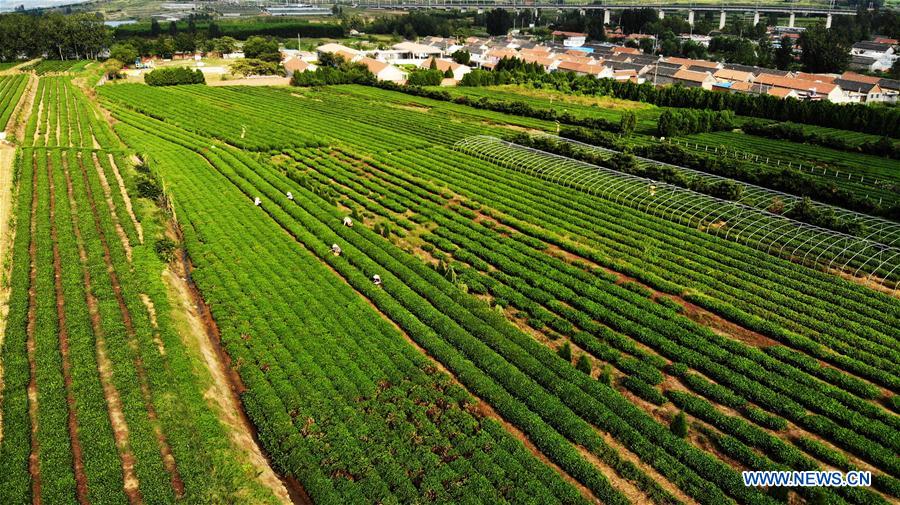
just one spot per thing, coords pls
(8, 5)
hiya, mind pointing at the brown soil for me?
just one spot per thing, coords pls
(118, 175)
(626, 487)
(33, 458)
(39, 112)
(651, 472)
(226, 383)
(104, 366)
(151, 311)
(165, 450)
(7, 237)
(81, 488)
(107, 192)
(411, 107)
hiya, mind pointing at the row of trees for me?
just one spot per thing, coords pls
(172, 76)
(257, 47)
(76, 36)
(688, 121)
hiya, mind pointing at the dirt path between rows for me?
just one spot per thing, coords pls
(7, 228)
(126, 197)
(107, 193)
(81, 484)
(165, 450)
(104, 366)
(224, 389)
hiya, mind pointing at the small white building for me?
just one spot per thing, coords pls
(571, 39)
(455, 68)
(383, 71)
(883, 54)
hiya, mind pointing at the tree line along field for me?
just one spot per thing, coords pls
(583, 324)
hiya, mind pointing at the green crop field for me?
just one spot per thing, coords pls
(409, 310)
(865, 176)
(870, 176)
(56, 66)
(11, 89)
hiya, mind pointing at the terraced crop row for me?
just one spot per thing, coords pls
(489, 271)
(100, 401)
(341, 401)
(57, 66)
(11, 89)
(564, 298)
(643, 339)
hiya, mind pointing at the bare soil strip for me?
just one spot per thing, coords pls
(7, 238)
(113, 401)
(165, 450)
(125, 196)
(81, 484)
(226, 384)
(33, 459)
(107, 192)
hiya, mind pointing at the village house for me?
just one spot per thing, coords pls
(858, 90)
(383, 71)
(813, 90)
(455, 68)
(692, 79)
(728, 75)
(294, 65)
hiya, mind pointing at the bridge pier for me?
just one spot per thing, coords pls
(755, 18)
(828, 21)
(606, 19)
(721, 20)
(662, 14)
(691, 18)
(791, 21)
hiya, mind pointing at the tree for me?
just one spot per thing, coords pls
(628, 122)
(784, 55)
(584, 364)
(173, 28)
(498, 22)
(164, 47)
(895, 69)
(213, 31)
(764, 53)
(565, 352)
(246, 67)
(111, 68)
(823, 52)
(184, 43)
(679, 425)
(605, 376)
(261, 48)
(224, 45)
(125, 53)
(154, 28)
